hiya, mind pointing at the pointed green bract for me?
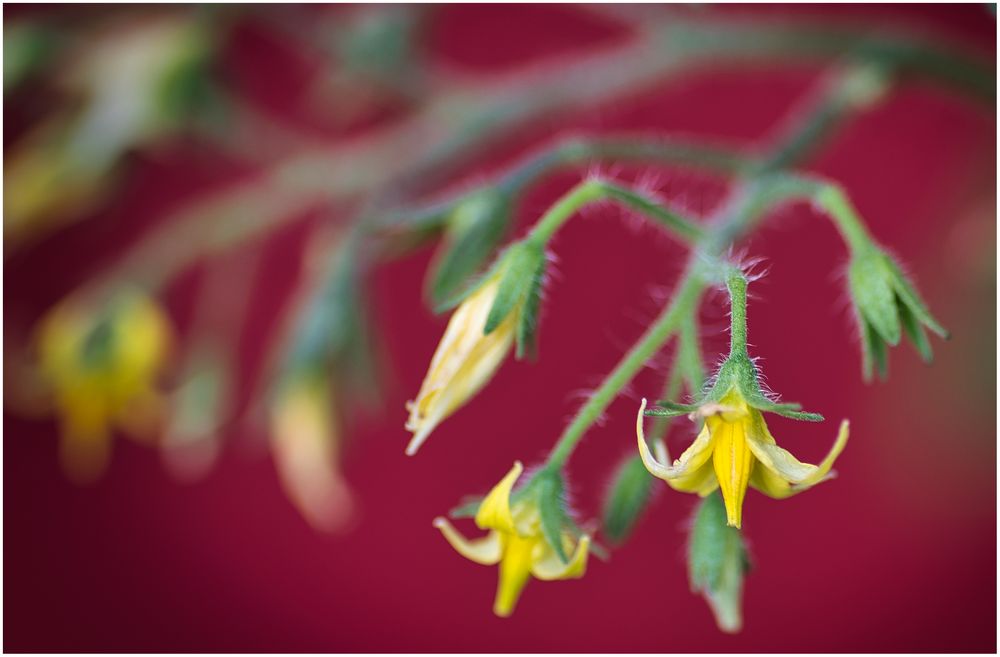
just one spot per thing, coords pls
(666, 408)
(909, 296)
(518, 271)
(916, 332)
(527, 326)
(549, 489)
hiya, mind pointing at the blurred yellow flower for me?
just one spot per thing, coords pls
(101, 368)
(735, 450)
(517, 543)
(305, 442)
(464, 362)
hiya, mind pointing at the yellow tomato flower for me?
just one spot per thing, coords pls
(734, 450)
(102, 369)
(464, 362)
(515, 541)
(305, 443)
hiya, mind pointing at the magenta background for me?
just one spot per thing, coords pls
(897, 554)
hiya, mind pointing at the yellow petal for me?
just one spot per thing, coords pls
(515, 567)
(781, 475)
(551, 567)
(690, 461)
(494, 512)
(85, 446)
(733, 463)
(702, 481)
(485, 551)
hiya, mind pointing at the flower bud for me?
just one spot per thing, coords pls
(885, 305)
(502, 308)
(627, 498)
(717, 562)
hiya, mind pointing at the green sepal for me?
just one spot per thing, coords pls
(790, 410)
(518, 271)
(911, 299)
(738, 370)
(627, 498)
(717, 562)
(475, 228)
(874, 354)
(548, 485)
(916, 332)
(527, 325)
(467, 509)
(873, 293)
(670, 409)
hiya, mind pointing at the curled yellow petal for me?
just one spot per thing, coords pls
(485, 551)
(494, 512)
(551, 567)
(689, 462)
(781, 475)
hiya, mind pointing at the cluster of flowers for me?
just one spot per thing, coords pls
(530, 532)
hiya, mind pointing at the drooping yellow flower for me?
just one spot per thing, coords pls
(101, 368)
(734, 450)
(305, 443)
(515, 541)
(464, 362)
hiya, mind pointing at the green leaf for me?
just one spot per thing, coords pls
(477, 226)
(549, 489)
(627, 498)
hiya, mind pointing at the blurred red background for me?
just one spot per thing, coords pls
(897, 554)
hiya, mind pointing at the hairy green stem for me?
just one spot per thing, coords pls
(736, 283)
(650, 342)
(590, 191)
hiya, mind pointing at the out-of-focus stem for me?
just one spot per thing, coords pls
(440, 137)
